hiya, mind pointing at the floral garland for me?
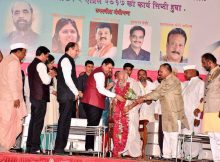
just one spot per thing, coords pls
(120, 130)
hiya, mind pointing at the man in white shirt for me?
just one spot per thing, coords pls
(67, 94)
(192, 91)
(39, 79)
(94, 97)
(146, 111)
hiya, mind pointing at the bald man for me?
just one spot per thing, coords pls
(169, 93)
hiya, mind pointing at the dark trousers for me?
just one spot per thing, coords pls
(160, 134)
(93, 115)
(82, 113)
(66, 110)
(38, 111)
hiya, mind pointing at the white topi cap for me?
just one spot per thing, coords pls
(189, 67)
(18, 45)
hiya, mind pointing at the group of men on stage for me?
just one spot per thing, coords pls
(184, 106)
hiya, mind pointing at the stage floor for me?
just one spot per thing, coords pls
(20, 157)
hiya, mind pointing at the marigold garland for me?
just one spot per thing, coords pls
(120, 130)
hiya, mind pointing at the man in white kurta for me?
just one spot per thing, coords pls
(12, 106)
(192, 92)
(146, 111)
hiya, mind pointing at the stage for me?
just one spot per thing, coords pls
(20, 157)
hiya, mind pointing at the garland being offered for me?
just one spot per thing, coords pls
(120, 130)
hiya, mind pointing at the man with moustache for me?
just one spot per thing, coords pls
(176, 41)
(172, 106)
(12, 105)
(146, 110)
(22, 15)
(134, 51)
(104, 47)
(210, 105)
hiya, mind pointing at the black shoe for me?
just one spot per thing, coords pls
(16, 150)
(90, 150)
(109, 154)
(60, 152)
(28, 151)
(166, 159)
(36, 152)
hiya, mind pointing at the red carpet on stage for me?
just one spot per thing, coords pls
(19, 157)
(16, 157)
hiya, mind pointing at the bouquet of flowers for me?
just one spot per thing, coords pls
(130, 94)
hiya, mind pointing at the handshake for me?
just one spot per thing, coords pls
(141, 100)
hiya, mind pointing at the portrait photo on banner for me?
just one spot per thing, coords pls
(103, 38)
(65, 30)
(214, 48)
(136, 43)
(22, 25)
(174, 43)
